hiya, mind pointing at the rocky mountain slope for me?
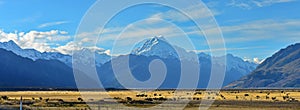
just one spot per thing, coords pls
(280, 70)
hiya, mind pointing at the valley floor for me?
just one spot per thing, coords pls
(162, 99)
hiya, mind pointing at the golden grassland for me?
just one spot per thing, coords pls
(224, 100)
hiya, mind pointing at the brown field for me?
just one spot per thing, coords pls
(224, 100)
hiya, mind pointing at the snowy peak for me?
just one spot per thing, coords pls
(36, 55)
(156, 46)
(10, 46)
(13, 47)
(161, 38)
(234, 62)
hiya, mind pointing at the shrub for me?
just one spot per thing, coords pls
(80, 99)
(117, 98)
(197, 93)
(257, 97)
(60, 100)
(128, 98)
(162, 99)
(285, 97)
(149, 99)
(47, 100)
(222, 96)
(4, 97)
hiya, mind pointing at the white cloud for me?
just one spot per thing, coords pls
(146, 28)
(240, 4)
(281, 30)
(150, 27)
(249, 4)
(226, 49)
(68, 48)
(46, 41)
(275, 30)
(263, 3)
(49, 24)
(195, 12)
(264, 29)
(4, 37)
(41, 41)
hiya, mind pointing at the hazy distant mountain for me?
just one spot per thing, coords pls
(159, 48)
(236, 68)
(35, 55)
(22, 72)
(138, 66)
(280, 70)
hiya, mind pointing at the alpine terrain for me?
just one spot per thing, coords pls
(280, 70)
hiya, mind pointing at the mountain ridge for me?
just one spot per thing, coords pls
(18, 71)
(144, 54)
(282, 69)
(35, 55)
(139, 66)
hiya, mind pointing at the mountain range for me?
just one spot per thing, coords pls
(31, 68)
(280, 70)
(23, 72)
(36, 55)
(159, 48)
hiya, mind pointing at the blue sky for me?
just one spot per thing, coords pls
(251, 28)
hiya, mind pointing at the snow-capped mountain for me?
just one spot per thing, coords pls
(235, 67)
(236, 63)
(35, 55)
(139, 68)
(159, 46)
(85, 57)
(139, 59)
(232, 63)
(156, 46)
